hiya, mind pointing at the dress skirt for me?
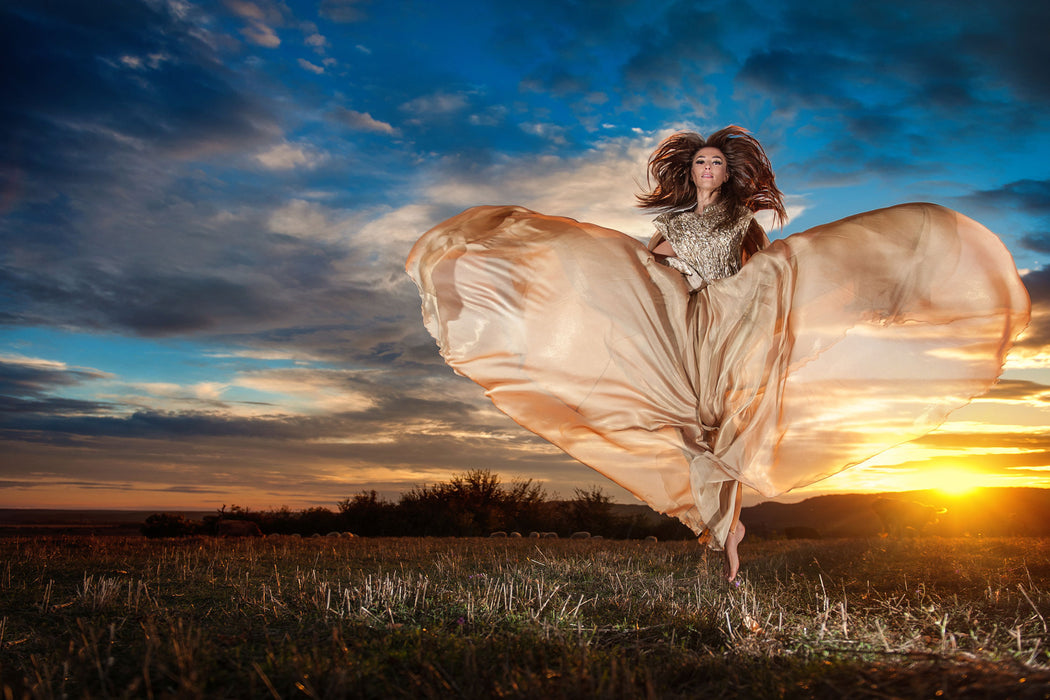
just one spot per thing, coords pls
(828, 347)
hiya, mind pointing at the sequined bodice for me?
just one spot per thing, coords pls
(709, 242)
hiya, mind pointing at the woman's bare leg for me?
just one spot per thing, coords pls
(736, 534)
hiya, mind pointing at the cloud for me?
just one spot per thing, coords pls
(1039, 242)
(493, 115)
(138, 84)
(598, 185)
(285, 156)
(261, 35)
(671, 65)
(36, 377)
(1019, 391)
(313, 390)
(1013, 44)
(399, 441)
(1034, 343)
(317, 42)
(28, 386)
(815, 71)
(436, 104)
(343, 10)
(1029, 196)
(260, 18)
(362, 121)
(304, 219)
(312, 67)
(548, 132)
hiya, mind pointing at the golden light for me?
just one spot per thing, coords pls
(954, 481)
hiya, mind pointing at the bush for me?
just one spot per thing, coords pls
(169, 525)
(368, 515)
(472, 504)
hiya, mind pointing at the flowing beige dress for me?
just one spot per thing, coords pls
(826, 348)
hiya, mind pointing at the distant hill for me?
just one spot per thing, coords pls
(987, 511)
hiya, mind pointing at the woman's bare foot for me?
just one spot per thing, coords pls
(732, 555)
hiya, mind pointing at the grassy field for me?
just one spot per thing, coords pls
(284, 617)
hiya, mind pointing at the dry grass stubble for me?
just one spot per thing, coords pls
(284, 617)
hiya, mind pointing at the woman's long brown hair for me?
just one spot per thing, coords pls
(751, 181)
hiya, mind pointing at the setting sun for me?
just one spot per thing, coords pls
(955, 481)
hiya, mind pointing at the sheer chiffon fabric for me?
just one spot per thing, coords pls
(827, 348)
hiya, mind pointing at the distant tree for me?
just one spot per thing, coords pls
(169, 525)
(475, 499)
(235, 512)
(590, 511)
(525, 506)
(318, 520)
(367, 514)
(473, 503)
(423, 513)
(283, 521)
(466, 505)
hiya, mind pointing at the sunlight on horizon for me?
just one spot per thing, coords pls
(956, 481)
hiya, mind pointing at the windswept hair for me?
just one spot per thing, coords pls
(751, 181)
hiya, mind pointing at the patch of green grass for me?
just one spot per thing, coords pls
(431, 617)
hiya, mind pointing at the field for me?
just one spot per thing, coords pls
(407, 617)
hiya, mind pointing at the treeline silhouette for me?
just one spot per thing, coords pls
(475, 503)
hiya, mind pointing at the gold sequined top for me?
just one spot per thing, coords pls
(708, 243)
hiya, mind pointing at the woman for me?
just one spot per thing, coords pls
(683, 383)
(709, 191)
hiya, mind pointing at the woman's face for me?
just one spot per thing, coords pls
(709, 168)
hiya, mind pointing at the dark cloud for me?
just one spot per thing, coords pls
(1019, 390)
(898, 76)
(390, 446)
(1037, 282)
(36, 379)
(164, 268)
(1014, 47)
(1031, 197)
(107, 226)
(28, 391)
(1039, 242)
(130, 79)
(147, 306)
(808, 79)
(1035, 441)
(17, 410)
(57, 419)
(1037, 335)
(160, 302)
(289, 472)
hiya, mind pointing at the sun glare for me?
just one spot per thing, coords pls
(955, 481)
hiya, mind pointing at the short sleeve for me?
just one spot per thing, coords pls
(660, 223)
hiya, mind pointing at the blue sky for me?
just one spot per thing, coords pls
(205, 210)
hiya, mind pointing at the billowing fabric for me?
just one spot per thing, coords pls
(827, 347)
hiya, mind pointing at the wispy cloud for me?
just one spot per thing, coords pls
(362, 121)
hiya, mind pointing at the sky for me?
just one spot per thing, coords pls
(205, 210)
